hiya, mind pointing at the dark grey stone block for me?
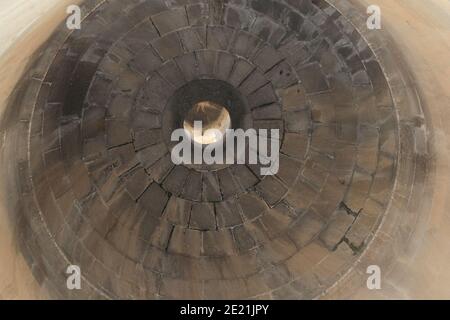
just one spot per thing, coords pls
(193, 39)
(267, 57)
(178, 211)
(228, 186)
(313, 79)
(137, 183)
(263, 96)
(272, 111)
(243, 239)
(144, 138)
(271, 190)
(145, 61)
(150, 155)
(218, 37)
(252, 205)
(203, 217)
(244, 176)
(141, 36)
(336, 230)
(176, 180)
(228, 214)
(193, 187)
(211, 187)
(168, 47)
(245, 44)
(241, 70)
(118, 133)
(170, 20)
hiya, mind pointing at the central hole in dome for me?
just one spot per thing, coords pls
(215, 120)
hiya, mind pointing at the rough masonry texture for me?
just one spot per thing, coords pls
(98, 188)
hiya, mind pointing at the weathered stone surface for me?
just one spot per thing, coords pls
(145, 61)
(314, 174)
(228, 186)
(337, 229)
(140, 36)
(149, 156)
(324, 139)
(198, 14)
(240, 71)
(253, 82)
(383, 179)
(245, 44)
(358, 192)
(206, 62)
(93, 122)
(252, 206)
(146, 120)
(293, 98)
(288, 170)
(282, 75)
(202, 217)
(238, 18)
(120, 107)
(277, 220)
(219, 37)
(271, 190)
(225, 64)
(301, 195)
(193, 39)
(306, 229)
(154, 200)
(118, 133)
(299, 121)
(218, 243)
(124, 158)
(171, 73)
(262, 96)
(129, 82)
(160, 237)
(306, 259)
(272, 111)
(186, 242)
(161, 168)
(361, 230)
(244, 176)
(323, 108)
(145, 138)
(178, 211)
(193, 187)
(278, 249)
(313, 79)
(168, 47)
(295, 145)
(188, 65)
(266, 58)
(228, 214)
(211, 188)
(137, 182)
(380, 86)
(176, 180)
(243, 239)
(231, 288)
(170, 20)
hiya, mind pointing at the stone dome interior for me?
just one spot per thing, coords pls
(98, 187)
